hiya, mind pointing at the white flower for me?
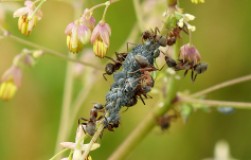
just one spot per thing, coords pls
(183, 21)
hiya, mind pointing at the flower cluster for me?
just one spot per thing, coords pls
(79, 32)
(28, 17)
(183, 22)
(83, 30)
(11, 79)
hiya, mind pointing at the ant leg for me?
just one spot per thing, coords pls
(125, 109)
(185, 73)
(104, 76)
(83, 119)
(194, 76)
(111, 59)
(117, 55)
(142, 99)
(156, 30)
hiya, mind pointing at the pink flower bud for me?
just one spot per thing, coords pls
(190, 54)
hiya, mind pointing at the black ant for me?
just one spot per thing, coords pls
(146, 83)
(112, 67)
(165, 121)
(153, 35)
(110, 126)
(170, 39)
(90, 125)
(184, 65)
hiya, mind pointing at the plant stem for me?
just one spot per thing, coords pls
(59, 153)
(83, 94)
(67, 98)
(222, 85)
(139, 17)
(37, 8)
(215, 103)
(93, 140)
(102, 4)
(47, 50)
(106, 7)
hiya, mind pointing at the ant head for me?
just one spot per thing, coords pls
(109, 68)
(146, 35)
(121, 56)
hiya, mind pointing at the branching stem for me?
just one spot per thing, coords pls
(47, 50)
(222, 85)
(215, 103)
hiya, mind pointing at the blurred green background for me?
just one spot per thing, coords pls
(29, 123)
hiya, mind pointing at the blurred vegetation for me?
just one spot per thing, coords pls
(29, 122)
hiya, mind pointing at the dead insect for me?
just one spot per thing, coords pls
(89, 126)
(112, 67)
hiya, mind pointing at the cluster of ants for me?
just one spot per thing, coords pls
(146, 82)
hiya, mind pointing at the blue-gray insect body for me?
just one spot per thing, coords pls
(124, 90)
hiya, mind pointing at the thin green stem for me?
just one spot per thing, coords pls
(51, 52)
(222, 85)
(37, 8)
(102, 4)
(139, 17)
(83, 94)
(59, 153)
(67, 98)
(93, 140)
(106, 8)
(215, 103)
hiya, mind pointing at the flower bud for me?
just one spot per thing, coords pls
(77, 35)
(10, 82)
(27, 20)
(101, 39)
(190, 54)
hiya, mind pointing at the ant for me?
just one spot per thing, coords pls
(146, 83)
(170, 39)
(153, 35)
(90, 125)
(184, 65)
(110, 126)
(112, 67)
(165, 121)
(173, 35)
